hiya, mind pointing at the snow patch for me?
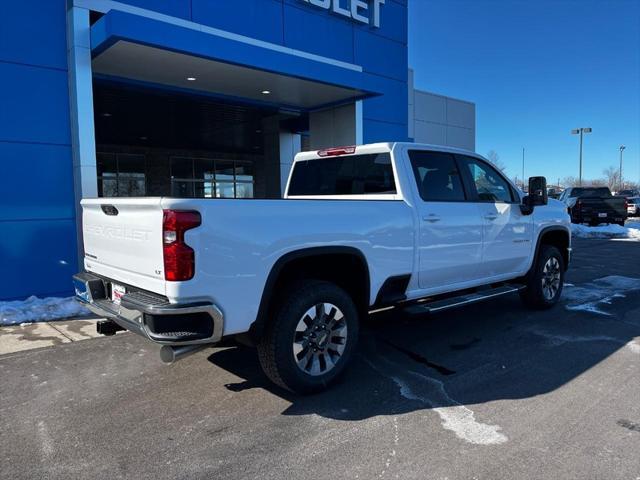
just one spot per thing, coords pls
(455, 416)
(631, 231)
(35, 309)
(559, 339)
(592, 296)
(633, 346)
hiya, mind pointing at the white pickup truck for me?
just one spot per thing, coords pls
(403, 225)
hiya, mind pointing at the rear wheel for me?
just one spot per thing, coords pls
(544, 285)
(310, 340)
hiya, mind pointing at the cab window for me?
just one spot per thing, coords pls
(490, 185)
(437, 176)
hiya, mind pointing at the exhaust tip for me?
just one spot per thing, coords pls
(171, 354)
(167, 354)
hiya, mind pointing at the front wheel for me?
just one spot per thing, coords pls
(545, 281)
(310, 340)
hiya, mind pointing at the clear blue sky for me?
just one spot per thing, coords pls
(537, 69)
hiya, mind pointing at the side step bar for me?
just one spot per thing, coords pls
(453, 302)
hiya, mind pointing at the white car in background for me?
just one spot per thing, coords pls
(418, 227)
(633, 206)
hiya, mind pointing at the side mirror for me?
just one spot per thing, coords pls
(538, 191)
(537, 195)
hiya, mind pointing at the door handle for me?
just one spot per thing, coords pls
(491, 216)
(431, 218)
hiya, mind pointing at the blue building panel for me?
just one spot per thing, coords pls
(390, 107)
(33, 33)
(320, 34)
(393, 17)
(376, 131)
(37, 258)
(35, 105)
(45, 171)
(380, 55)
(260, 19)
(394, 22)
(174, 8)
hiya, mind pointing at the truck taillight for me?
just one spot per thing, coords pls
(179, 258)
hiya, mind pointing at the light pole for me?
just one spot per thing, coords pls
(522, 168)
(580, 131)
(622, 147)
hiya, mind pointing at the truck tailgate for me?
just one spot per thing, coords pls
(123, 240)
(611, 207)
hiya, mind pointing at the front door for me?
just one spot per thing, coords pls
(450, 229)
(507, 233)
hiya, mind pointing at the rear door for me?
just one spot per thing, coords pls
(450, 230)
(507, 233)
(123, 240)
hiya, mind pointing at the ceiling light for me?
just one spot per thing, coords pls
(191, 79)
(266, 92)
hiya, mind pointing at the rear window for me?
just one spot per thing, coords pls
(590, 192)
(344, 175)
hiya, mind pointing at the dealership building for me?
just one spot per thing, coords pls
(196, 98)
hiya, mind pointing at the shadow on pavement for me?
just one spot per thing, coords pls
(492, 351)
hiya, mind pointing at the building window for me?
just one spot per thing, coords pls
(121, 175)
(211, 178)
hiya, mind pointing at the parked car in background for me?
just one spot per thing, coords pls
(419, 227)
(554, 193)
(628, 193)
(633, 206)
(594, 205)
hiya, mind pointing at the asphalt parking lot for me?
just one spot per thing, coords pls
(489, 391)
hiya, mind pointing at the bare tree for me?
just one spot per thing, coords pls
(569, 182)
(597, 182)
(518, 182)
(612, 177)
(494, 158)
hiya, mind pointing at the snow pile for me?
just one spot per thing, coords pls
(35, 309)
(594, 296)
(630, 231)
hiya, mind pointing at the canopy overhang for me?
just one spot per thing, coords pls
(215, 62)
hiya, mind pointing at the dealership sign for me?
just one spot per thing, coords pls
(363, 11)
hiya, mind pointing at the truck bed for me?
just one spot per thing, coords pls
(235, 237)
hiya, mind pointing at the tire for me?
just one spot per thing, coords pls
(539, 293)
(296, 352)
